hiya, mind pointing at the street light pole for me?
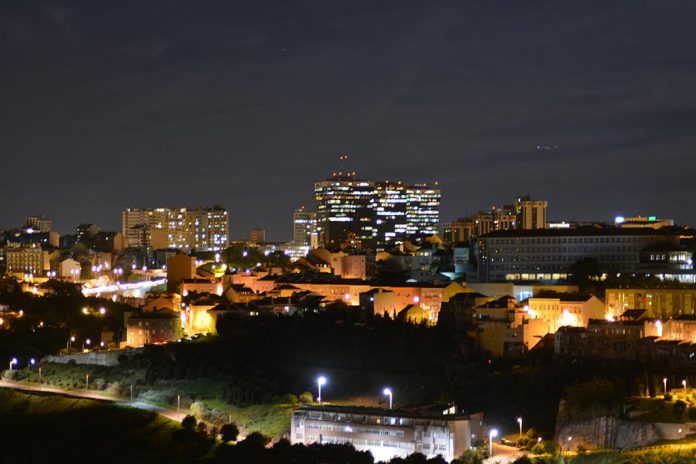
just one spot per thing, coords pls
(491, 435)
(13, 362)
(320, 381)
(519, 421)
(388, 392)
(664, 384)
(87, 382)
(178, 406)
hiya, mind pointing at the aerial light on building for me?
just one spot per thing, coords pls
(388, 392)
(320, 382)
(491, 435)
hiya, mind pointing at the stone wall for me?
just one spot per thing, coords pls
(95, 358)
(613, 433)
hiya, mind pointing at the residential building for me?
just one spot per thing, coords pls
(69, 269)
(179, 267)
(565, 310)
(670, 301)
(38, 223)
(388, 433)
(548, 254)
(159, 326)
(187, 229)
(531, 214)
(257, 235)
(26, 259)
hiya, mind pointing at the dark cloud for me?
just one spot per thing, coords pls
(111, 104)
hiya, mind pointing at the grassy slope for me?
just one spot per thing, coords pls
(39, 428)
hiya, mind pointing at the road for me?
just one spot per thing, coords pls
(503, 454)
(92, 395)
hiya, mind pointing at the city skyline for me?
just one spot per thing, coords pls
(142, 105)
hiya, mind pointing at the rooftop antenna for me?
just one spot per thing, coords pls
(343, 163)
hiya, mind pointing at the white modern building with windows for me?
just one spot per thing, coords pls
(388, 433)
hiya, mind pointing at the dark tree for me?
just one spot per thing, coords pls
(189, 422)
(229, 432)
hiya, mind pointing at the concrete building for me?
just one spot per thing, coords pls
(374, 214)
(652, 222)
(548, 254)
(200, 229)
(26, 259)
(531, 214)
(160, 326)
(69, 269)
(304, 228)
(388, 433)
(565, 310)
(257, 235)
(38, 223)
(660, 303)
(179, 267)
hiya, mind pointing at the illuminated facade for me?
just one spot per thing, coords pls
(346, 209)
(200, 229)
(405, 210)
(388, 433)
(26, 259)
(531, 214)
(548, 254)
(304, 228)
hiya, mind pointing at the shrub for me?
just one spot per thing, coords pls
(668, 397)
(582, 450)
(229, 432)
(679, 408)
(198, 409)
(188, 422)
(288, 399)
(522, 460)
(550, 447)
(538, 449)
(306, 398)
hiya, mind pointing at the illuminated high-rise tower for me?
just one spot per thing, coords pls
(346, 208)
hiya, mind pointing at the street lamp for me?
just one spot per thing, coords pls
(13, 362)
(684, 385)
(519, 421)
(320, 381)
(664, 384)
(32, 361)
(87, 382)
(387, 392)
(491, 435)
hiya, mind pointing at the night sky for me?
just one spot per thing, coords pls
(109, 104)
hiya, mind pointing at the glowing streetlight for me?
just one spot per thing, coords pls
(519, 421)
(387, 392)
(102, 311)
(85, 311)
(664, 384)
(32, 361)
(320, 381)
(684, 385)
(13, 362)
(491, 435)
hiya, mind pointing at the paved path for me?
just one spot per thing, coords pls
(503, 454)
(92, 395)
